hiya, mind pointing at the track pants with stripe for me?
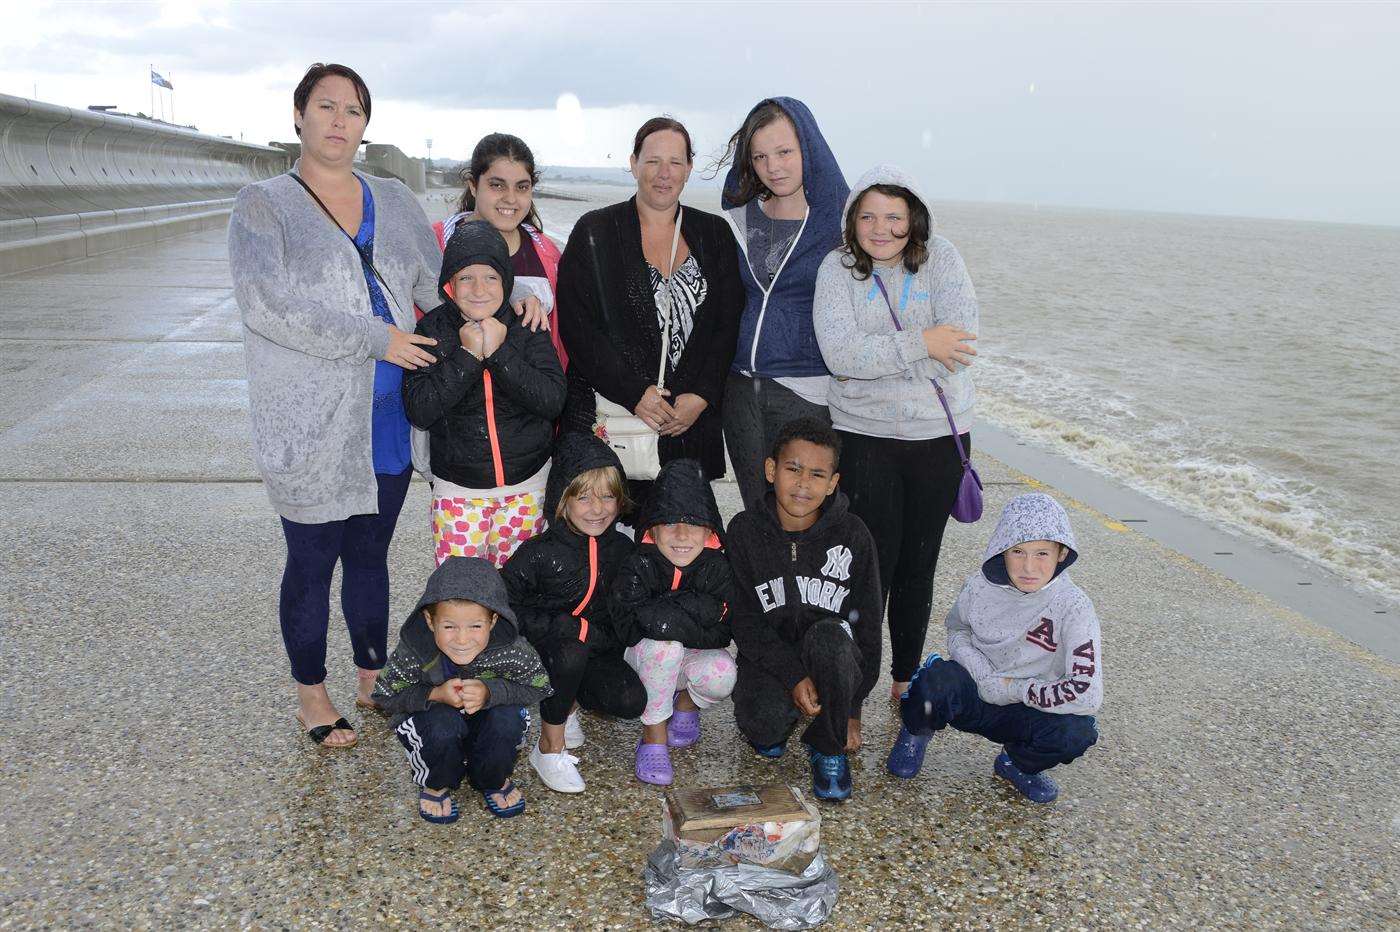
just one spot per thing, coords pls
(444, 745)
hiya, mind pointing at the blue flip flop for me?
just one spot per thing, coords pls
(452, 814)
(504, 812)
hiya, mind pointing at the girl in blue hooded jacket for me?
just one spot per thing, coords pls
(783, 195)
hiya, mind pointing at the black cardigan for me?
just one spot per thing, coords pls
(607, 320)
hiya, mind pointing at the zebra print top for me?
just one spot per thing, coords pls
(687, 287)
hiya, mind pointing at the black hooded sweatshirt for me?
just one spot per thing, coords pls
(490, 422)
(508, 666)
(787, 581)
(652, 597)
(559, 581)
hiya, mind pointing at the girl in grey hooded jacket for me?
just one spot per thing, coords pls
(900, 466)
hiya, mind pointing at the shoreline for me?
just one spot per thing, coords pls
(1368, 621)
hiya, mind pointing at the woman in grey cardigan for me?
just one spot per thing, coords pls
(899, 463)
(327, 297)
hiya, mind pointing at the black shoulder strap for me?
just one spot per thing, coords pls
(363, 255)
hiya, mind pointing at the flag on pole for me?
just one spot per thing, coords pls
(157, 80)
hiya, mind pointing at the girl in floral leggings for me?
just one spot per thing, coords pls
(670, 605)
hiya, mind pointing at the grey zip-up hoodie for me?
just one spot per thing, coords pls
(1039, 648)
(880, 376)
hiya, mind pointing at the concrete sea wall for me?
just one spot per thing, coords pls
(76, 183)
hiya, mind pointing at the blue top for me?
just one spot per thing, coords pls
(389, 430)
(785, 343)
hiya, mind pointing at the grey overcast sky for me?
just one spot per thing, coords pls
(1259, 109)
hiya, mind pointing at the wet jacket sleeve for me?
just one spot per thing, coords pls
(965, 654)
(431, 392)
(257, 252)
(537, 623)
(1079, 690)
(954, 299)
(426, 251)
(582, 324)
(402, 687)
(527, 682)
(526, 367)
(849, 351)
(867, 616)
(641, 608)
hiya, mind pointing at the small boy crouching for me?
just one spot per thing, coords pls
(457, 686)
(1026, 668)
(807, 609)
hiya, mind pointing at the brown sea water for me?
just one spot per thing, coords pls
(1244, 371)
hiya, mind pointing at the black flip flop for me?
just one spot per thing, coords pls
(321, 732)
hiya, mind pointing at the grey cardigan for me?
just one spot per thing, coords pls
(880, 376)
(311, 337)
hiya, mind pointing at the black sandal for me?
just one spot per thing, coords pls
(321, 732)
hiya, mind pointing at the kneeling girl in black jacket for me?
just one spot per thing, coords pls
(488, 403)
(670, 606)
(558, 584)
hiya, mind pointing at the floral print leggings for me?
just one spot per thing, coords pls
(490, 528)
(666, 667)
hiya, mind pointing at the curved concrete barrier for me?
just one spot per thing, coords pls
(76, 183)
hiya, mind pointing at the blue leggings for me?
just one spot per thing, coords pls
(943, 694)
(360, 544)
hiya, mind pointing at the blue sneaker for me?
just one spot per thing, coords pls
(1036, 787)
(831, 776)
(907, 756)
(770, 751)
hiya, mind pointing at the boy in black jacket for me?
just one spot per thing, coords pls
(558, 584)
(670, 606)
(457, 686)
(807, 609)
(488, 403)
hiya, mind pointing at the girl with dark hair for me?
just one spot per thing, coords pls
(783, 196)
(895, 311)
(327, 264)
(634, 271)
(499, 187)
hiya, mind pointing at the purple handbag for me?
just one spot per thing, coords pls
(967, 507)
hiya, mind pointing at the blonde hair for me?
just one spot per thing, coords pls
(607, 478)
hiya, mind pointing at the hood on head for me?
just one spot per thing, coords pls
(681, 495)
(575, 453)
(476, 242)
(885, 174)
(475, 580)
(822, 180)
(1033, 516)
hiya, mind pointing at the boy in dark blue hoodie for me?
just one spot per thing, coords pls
(456, 688)
(784, 195)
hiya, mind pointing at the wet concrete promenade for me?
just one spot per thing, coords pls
(152, 774)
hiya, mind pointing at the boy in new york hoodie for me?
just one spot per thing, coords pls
(807, 609)
(1026, 668)
(456, 688)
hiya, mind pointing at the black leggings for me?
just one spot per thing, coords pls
(600, 682)
(903, 491)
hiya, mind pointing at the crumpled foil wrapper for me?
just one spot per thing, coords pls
(777, 898)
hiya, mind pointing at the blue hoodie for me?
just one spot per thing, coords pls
(776, 338)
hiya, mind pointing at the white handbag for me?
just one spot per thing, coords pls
(636, 444)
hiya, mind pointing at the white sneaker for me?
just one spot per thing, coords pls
(558, 771)
(573, 732)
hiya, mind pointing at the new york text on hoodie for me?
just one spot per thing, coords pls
(786, 581)
(1038, 648)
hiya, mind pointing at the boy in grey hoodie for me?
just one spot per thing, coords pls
(457, 686)
(1026, 669)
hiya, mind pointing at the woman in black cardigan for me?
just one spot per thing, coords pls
(611, 274)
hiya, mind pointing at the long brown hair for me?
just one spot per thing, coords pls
(915, 252)
(740, 151)
(488, 151)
